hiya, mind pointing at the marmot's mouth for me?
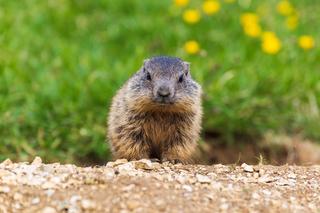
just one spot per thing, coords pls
(164, 100)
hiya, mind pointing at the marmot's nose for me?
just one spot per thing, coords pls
(164, 91)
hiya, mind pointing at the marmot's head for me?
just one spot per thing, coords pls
(165, 82)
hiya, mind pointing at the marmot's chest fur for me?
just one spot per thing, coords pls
(161, 128)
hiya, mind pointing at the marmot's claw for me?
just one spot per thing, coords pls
(155, 160)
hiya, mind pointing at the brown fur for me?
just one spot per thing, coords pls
(140, 128)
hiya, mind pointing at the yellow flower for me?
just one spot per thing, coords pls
(285, 8)
(252, 30)
(306, 42)
(267, 35)
(181, 3)
(248, 18)
(292, 22)
(250, 24)
(271, 44)
(191, 47)
(211, 7)
(191, 16)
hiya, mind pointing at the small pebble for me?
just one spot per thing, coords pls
(49, 192)
(261, 172)
(126, 168)
(48, 209)
(143, 164)
(4, 189)
(117, 162)
(17, 205)
(283, 182)
(266, 179)
(17, 196)
(88, 204)
(255, 196)
(187, 188)
(161, 205)
(128, 188)
(37, 161)
(203, 178)
(6, 162)
(266, 192)
(74, 199)
(247, 168)
(132, 204)
(3, 209)
(35, 201)
(292, 176)
(224, 206)
(109, 173)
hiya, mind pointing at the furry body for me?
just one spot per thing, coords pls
(144, 124)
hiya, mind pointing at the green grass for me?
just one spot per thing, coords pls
(61, 61)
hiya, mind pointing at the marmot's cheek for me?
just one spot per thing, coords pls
(172, 93)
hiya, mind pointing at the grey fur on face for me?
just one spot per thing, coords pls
(166, 78)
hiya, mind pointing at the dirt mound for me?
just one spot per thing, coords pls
(269, 149)
(143, 186)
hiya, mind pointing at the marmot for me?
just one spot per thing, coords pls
(157, 113)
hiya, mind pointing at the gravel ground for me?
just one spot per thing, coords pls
(145, 186)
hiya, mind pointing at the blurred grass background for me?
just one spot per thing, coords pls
(61, 61)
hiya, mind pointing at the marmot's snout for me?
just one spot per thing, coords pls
(164, 93)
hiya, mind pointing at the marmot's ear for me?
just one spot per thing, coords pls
(186, 66)
(145, 61)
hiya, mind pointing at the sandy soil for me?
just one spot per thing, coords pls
(143, 186)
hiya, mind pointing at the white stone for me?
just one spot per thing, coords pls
(74, 199)
(35, 201)
(4, 189)
(188, 188)
(203, 178)
(37, 161)
(143, 164)
(88, 204)
(292, 176)
(49, 192)
(6, 162)
(126, 167)
(247, 168)
(48, 209)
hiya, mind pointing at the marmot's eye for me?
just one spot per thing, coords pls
(181, 78)
(148, 76)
